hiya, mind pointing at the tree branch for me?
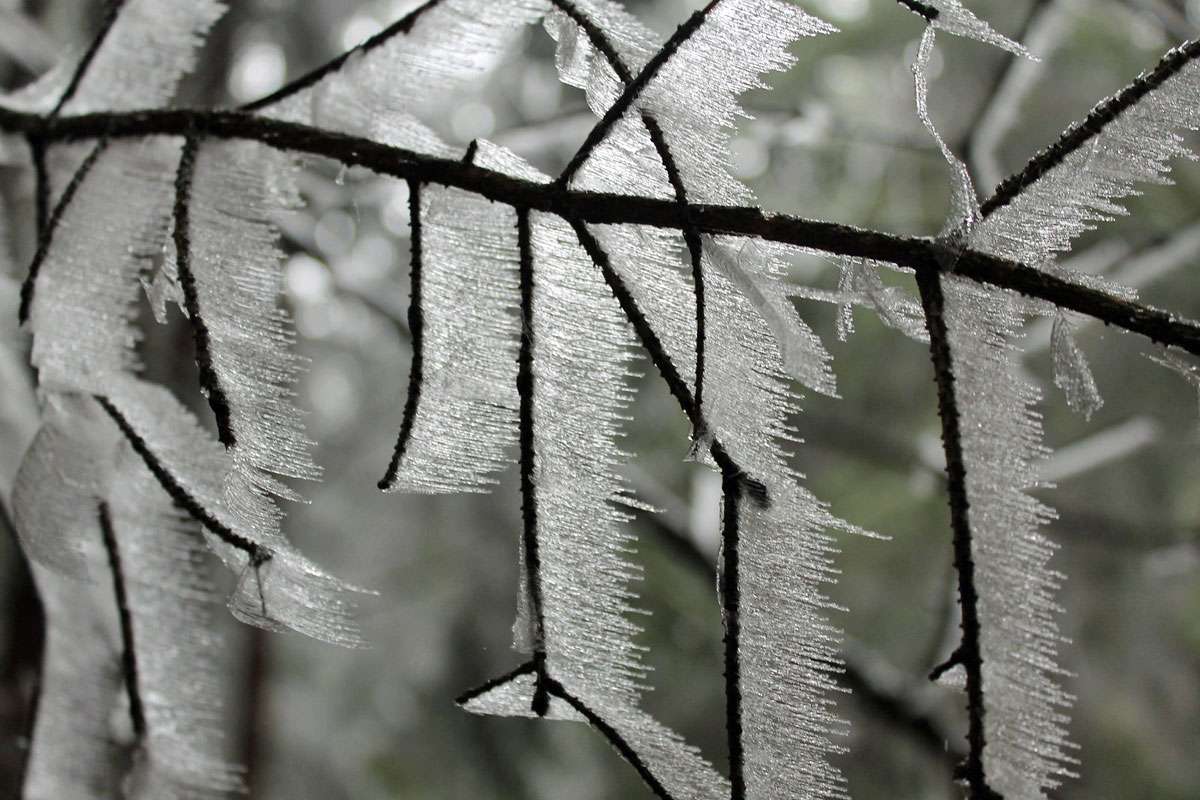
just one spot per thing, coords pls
(1093, 125)
(607, 208)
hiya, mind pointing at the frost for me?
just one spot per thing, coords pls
(237, 267)
(955, 19)
(1026, 719)
(1071, 371)
(82, 312)
(151, 45)
(1180, 366)
(465, 423)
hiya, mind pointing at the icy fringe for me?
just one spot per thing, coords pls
(82, 316)
(179, 666)
(286, 591)
(789, 651)
(693, 98)
(581, 394)
(83, 343)
(83, 744)
(389, 92)
(149, 48)
(465, 426)
(238, 269)
(953, 18)
(1087, 188)
(1026, 722)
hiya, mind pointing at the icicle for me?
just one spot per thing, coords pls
(1071, 371)
(283, 591)
(178, 651)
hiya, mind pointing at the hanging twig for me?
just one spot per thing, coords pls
(129, 659)
(968, 654)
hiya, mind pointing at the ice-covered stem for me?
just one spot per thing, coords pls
(416, 330)
(894, 703)
(529, 509)
(210, 382)
(129, 662)
(967, 654)
(731, 493)
(614, 738)
(632, 91)
(661, 359)
(1092, 125)
(46, 229)
(609, 208)
(658, 138)
(554, 688)
(399, 27)
(111, 11)
(258, 555)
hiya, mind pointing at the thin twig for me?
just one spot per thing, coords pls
(632, 91)
(1093, 125)
(400, 26)
(46, 230)
(175, 488)
(210, 382)
(416, 331)
(968, 653)
(111, 12)
(129, 660)
(529, 508)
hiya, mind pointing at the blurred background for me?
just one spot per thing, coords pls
(836, 138)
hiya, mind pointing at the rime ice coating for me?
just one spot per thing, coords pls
(390, 92)
(465, 424)
(179, 651)
(74, 753)
(581, 361)
(1026, 711)
(84, 714)
(789, 651)
(286, 591)
(954, 18)
(82, 315)
(150, 47)
(238, 269)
